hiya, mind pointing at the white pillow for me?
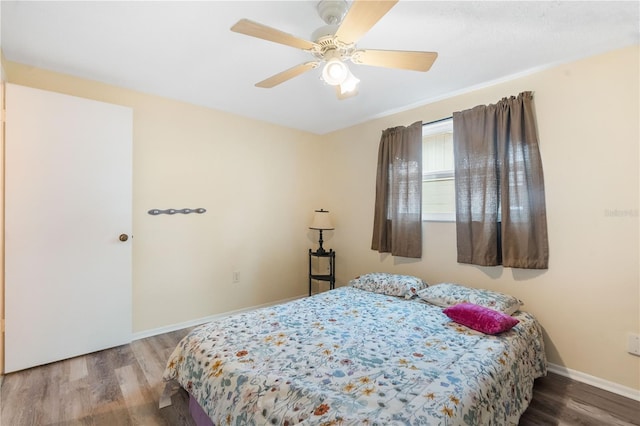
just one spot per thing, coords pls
(447, 294)
(406, 286)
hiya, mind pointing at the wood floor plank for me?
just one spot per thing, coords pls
(178, 412)
(77, 368)
(137, 395)
(151, 363)
(596, 416)
(122, 386)
(51, 377)
(75, 400)
(558, 400)
(104, 388)
(26, 387)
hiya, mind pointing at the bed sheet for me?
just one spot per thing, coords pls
(353, 357)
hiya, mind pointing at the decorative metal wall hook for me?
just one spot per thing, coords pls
(156, 212)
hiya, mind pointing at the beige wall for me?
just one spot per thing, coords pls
(588, 299)
(2, 78)
(1, 211)
(260, 183)
(253, 178)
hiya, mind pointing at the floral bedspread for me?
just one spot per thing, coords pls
(352, 357)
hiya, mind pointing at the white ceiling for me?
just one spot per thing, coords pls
(185, 50)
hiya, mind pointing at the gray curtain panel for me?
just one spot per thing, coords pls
(397, 227)
(500, 202)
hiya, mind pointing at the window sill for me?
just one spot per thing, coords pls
(439, 217)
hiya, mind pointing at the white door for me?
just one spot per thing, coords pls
(67, 201)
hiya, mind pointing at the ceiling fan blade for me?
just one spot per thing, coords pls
(286, 75)
(361, 17)
(342, 96)
(407, 60)
(254, 29)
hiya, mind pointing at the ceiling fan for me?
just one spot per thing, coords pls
(335, 43)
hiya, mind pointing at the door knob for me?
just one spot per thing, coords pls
(123, 237)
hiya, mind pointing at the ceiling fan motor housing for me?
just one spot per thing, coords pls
(328, 46)
(325, 32)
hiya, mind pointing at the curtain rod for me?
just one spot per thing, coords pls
(437, 121)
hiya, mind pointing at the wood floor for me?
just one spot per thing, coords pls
(558, 400)
(123, 386)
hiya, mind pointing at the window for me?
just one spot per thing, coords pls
(438, 182)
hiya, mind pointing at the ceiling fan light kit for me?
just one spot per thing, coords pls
(335, 43)
(335, 72)
(350, 84)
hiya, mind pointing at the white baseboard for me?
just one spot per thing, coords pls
(192, 323)
(579, 376)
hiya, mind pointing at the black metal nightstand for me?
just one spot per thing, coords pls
(331, 276)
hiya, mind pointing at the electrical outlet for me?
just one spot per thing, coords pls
(633, 344)
(236, 276)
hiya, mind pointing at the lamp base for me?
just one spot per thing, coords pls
(320, 249)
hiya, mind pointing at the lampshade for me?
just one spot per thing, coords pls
(335, 72)
(349, 84)
(321, 220)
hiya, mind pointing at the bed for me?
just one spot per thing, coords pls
(355, 357)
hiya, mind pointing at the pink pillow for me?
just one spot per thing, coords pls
(480, 318)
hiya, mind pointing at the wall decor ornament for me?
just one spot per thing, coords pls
(156, 212)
